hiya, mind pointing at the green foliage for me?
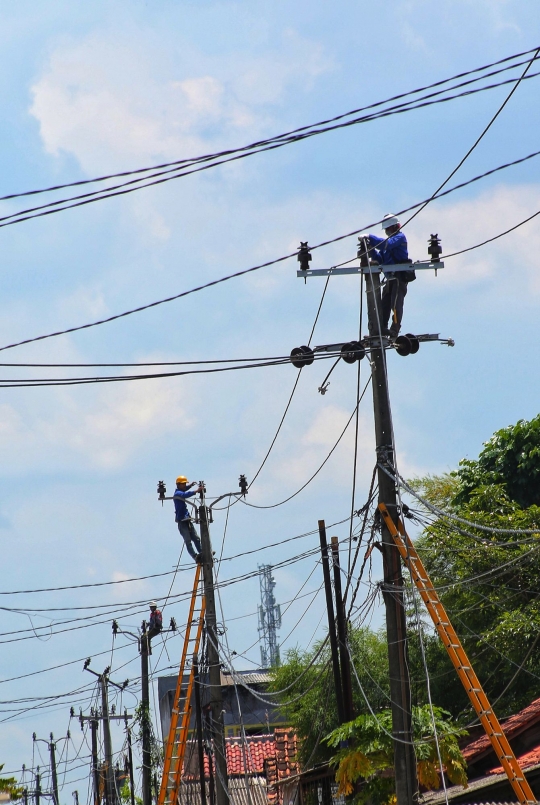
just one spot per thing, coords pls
(314, 715)
(369, 755)
(125, 795)
(8, 785)
(511, 459)
(142, 720)
(488, 582)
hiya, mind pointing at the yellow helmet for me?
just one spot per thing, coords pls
(181, 479)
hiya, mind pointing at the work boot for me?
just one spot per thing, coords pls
(198, 558)
(394, 331)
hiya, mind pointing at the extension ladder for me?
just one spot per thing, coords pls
(461, 663)
(181, 710)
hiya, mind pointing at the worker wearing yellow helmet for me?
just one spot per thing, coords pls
(182, 516)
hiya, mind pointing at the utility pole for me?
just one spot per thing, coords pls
(198, 719)
(130, 761)
(392, 589)
(216, 699)
(95, 762)
(145, 708)
(331, 622)
(344, 657)
(51, 746)
(54, 776)
(104, 680)
(110, 788)
(37, 792)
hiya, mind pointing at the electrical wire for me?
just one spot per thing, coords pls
(168, 175)
(274, 505)
(263, 265)
(480, 137)
(276, 137)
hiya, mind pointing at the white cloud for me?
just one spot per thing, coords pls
(104, 429)
(109, 101)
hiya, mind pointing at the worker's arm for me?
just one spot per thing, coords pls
(374, 254)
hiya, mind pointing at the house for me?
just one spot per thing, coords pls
(487, 780)
(258, 717)
(256, 769)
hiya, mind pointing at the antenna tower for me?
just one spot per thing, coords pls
(269, 618)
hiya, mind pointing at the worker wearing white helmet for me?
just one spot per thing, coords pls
(155, 622)
(389, 251)
(182, 517)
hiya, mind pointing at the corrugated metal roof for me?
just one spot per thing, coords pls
(190, 792)
(248, 677)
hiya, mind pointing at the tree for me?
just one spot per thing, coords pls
(8, 785)
(511, 458)
(489, 582)
(308, 700)
(369, 755)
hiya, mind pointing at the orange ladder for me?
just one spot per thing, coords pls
(461, 663)
(181, 710)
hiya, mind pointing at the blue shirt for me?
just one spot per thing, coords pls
(393, 250)
(180, 507)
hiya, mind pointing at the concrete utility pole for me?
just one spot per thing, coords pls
(110, 787)
(111, 797)
(95, 761)
(198, 721)
(37, 790)
(54, 775)
(51, 746)
(393, 589)
(145, 706)
(130, 761)
(216, 699)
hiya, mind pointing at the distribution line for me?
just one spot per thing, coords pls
(480, 137)
(276, 137)
(266, 264)
(161, 177)
(274, 505)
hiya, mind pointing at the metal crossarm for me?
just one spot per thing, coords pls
(459, 659)
(181, 711)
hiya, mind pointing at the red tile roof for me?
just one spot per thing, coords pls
(530, 758)
(271, 755)
(511, 727)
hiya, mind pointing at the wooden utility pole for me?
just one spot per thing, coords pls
(214, 665)
(393, 589)
(331, 622)
(344, 657)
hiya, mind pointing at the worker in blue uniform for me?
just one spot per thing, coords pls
(182, 517)
(389, 251)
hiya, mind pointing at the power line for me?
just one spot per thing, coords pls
(266, 264)
(168, 175)
(276, 137)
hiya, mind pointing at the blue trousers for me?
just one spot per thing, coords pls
(190, 536)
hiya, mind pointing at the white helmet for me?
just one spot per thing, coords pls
(152, 604)
(390, 220)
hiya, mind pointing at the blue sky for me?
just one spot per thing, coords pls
(96, 88)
